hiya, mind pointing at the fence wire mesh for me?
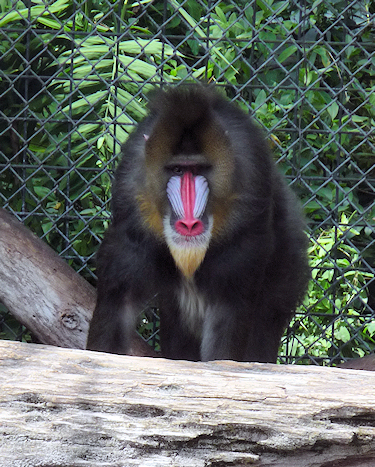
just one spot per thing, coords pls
(74, 77)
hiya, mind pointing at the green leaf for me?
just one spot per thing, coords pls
(138, 66)
(87, 101)
(261, 98)
(47, 226)
(287, 53)
(342, 334)
(118, 113)
(118, 132)
(83, 131)
(221, 16)
(370, 328)
(279, 7)
(42, 191)
(34, 12)
(51, 23)
(153, 46)
(333, 110)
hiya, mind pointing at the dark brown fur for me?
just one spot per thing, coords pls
(255, 270)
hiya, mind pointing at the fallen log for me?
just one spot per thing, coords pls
(73, 408)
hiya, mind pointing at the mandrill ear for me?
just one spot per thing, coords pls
(145, 137)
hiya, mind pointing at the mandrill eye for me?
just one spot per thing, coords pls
(177, 170)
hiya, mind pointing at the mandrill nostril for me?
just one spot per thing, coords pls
(189, 227)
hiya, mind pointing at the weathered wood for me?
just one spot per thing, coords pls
(364, 363)
(73, 408)
(43, 292)
(40, 289)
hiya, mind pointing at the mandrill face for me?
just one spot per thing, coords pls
(187, 224)
(189, 179)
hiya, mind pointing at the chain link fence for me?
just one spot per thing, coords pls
(74, 77)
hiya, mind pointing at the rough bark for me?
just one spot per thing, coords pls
(43, 292)
(364, 363)
(70, 408)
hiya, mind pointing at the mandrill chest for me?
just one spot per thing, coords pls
(192, 305)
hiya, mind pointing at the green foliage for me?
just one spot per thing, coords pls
(338, 297)
(91, 101)
(10, 329)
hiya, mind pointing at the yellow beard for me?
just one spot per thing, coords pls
(187, 259)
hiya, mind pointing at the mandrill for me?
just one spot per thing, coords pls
(201, 217)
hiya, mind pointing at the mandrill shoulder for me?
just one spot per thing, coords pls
(127, 256)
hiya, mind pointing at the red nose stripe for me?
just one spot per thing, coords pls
(189, 225)
(188, 194)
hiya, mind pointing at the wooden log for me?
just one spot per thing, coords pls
(74, 408)
(364, 363)
(43, 292)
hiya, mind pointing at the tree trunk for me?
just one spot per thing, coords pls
(73, 408)
(44, 293)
